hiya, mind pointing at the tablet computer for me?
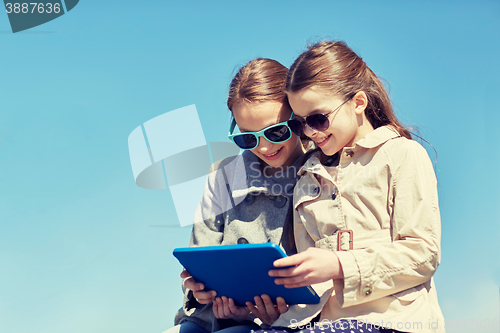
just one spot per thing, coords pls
(241, 271)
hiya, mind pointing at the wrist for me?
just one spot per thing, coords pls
(337, 272)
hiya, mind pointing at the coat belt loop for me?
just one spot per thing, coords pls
(339, 239)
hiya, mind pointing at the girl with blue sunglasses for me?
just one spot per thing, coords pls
(277, 133)
(248, 198)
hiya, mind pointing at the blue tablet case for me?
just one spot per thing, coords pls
(241, 271)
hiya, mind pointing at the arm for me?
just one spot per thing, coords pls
(309, 263)
(363, 275)
(413, 256)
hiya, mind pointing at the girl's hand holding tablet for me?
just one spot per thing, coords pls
(225, 308)
(203, 297)
(312, 266)
(265, 310)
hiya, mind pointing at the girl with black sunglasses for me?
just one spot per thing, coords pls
(367, 223)
(247, 199)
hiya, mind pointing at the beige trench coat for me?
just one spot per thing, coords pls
(384, 193)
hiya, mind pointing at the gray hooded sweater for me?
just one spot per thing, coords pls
(240, 205)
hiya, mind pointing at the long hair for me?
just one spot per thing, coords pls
(335, 67)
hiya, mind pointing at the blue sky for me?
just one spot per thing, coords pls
(78, 250)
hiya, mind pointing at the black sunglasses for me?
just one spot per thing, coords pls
(317, 121)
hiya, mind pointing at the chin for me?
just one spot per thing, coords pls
(329, 151)
(274, 164)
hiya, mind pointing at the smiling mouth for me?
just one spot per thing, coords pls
(323, 140)
(271, 155)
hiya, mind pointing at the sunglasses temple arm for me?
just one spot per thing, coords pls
(232, 126)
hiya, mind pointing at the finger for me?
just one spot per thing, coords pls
(269, 306)
(286, 272)
(282, 306)
(215, 309)
(271, 310)
(220, 308)
(294, 281)
(225, 303)
(232, 306)
(264, 316)
(289, 261)
(291, 283)
(253, 309)
(191, 284)
(185, 274)
(205, 297)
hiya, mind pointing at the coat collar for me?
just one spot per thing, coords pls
(248, 178)
(373, 139)
(377, 137)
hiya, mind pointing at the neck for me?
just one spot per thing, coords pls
(364, 128)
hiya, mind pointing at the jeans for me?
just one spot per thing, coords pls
(190, 327)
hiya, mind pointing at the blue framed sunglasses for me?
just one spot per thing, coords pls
(249, 140)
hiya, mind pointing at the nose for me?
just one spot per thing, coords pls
(264, 145)
(308, 131)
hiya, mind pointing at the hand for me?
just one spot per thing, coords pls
(311, 266)
(265, 310)
(224, 308)
(203, 297)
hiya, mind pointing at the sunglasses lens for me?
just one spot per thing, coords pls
(318, 122)
(246, 141)
(278, 133)
(296, 126)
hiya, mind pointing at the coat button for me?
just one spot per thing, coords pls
(249, 199)
(334, 194)
(367, 291)
(280, 201)
(242, 240)
(349, 153)
(316, 190)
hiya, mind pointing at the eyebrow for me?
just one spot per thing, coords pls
(278, 122)
(316, 111)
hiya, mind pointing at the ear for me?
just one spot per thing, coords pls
(360, 102)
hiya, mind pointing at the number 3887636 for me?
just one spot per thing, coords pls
(32, 7)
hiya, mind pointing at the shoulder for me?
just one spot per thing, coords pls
(406, 156)
(221, 164)
(246, 158)
(401, 148)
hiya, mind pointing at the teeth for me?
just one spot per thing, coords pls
(273, 154)
(322, 140)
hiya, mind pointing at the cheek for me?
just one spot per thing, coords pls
(291, 144)
(255, 151)
(341, 124)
